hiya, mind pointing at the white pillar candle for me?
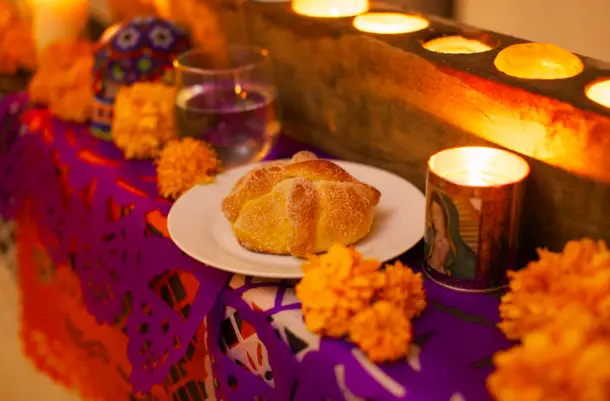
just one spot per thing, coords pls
(53, 20)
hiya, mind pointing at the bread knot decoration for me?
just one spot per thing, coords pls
(299, 207)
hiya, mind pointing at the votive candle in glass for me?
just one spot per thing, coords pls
(473, 205)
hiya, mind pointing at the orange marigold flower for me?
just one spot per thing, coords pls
(404, 288)
(336, 286)
(567, 360)
(382, 331)
(17, 48)
(579, 275)
(143, 119)
(63, 79)
(75, 101)
(183, 164)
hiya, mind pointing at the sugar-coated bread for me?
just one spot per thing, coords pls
(299, 207)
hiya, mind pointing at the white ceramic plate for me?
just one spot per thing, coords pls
(198, 227)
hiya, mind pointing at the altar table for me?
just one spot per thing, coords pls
(112, 309)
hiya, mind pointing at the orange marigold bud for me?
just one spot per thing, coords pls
(382, 332)
(404, 288)
(183, 164)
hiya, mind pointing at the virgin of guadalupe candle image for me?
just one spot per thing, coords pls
(446, 249)
(473, 202)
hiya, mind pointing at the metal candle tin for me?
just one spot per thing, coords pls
(473, 205)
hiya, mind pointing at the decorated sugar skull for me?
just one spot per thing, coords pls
(142, 49)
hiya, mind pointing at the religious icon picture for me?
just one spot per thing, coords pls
(452, 235)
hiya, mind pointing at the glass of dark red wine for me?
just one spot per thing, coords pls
(229, 101)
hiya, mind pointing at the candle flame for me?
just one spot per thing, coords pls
(477, 178)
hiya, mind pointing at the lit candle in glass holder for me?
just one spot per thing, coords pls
(456, 45)
(330, 8)
(473, 203)
(390, 23)
(538, 61)
(599, 92)
(53, 20)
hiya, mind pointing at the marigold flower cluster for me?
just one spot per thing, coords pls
(183, 164)
(17, 48)
(559, 307)
(537, 294)
(63, 80)
(567, 360)
(343, 294)
(143, 119)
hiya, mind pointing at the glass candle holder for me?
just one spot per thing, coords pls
(473, 205)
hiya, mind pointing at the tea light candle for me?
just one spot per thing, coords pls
(389, 23)
(53, 20)
(599, 92)
(456, 45)
(538, 61)
(330, 8)
(473, 204)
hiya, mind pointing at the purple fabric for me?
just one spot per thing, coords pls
(455, 338)
(113, 257)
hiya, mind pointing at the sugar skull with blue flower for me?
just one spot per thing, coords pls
(142, 49)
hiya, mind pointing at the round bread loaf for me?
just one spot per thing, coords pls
(300, 207)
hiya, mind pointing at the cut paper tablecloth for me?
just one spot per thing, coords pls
(131, 308)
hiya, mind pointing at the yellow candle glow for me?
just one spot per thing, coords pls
(599, 92)
(456, 45)
(163, 8)
(479, 166)
(390, 23)
(330, 8)
(53, 20)
(538, 61)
